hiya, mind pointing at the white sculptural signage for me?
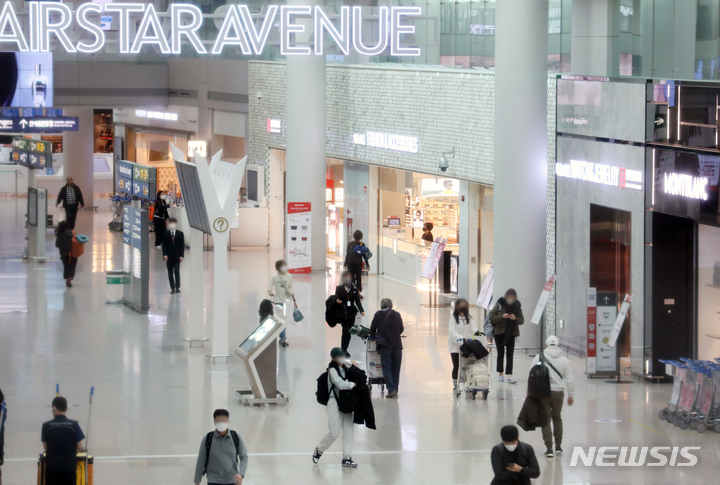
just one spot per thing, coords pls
(84, 29)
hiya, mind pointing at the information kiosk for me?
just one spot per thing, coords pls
(259, 354)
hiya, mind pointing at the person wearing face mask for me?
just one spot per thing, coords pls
(506, 318)
(461, 327)
(348, 295)
(513, 461)
(338, 421)
(222, 456)
(354, 256)
(387, 327)
(160, 215)
(281, 289)
(173, 248)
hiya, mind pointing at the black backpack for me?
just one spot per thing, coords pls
(323, 393)
(208, 445)
(332, 313)
(539, 380)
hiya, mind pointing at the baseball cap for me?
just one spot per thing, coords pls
(338, 352)
(552, 340)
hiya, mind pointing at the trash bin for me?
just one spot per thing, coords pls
(114, 280)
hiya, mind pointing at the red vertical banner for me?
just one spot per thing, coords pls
(298, 243)
(591, 331)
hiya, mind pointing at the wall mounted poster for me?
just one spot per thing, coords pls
(298, 237)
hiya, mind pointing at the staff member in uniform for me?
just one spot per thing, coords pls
(173, 248)
(71, 197)
(62, 439)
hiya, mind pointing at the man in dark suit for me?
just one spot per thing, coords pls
(173, 248)
(71, 198)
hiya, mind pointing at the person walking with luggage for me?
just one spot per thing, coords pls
(160, 215)
(222, 456)
(387, 327)
(348, 295)
(561, 378)
(173, 248)
(506, 318)
(461, 327)
(281, 289)
(338, 422)
(62, 439)
(354, 257)
(71, 198)
(63, 241)
(513, 462)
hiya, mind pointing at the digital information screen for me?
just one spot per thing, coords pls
(32, 206)
(192, 194)
(27, 79)
(258, 334)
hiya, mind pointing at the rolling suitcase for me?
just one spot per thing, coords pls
(82, 457)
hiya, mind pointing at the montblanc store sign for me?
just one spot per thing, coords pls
(141, 25)
(600, 173)
(685, 185)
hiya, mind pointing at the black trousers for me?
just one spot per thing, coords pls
(173, 267)
(69, 264)
(356, 272)
(505, 346)
(159, 230)
(456, 364)
(346, 336)
(71, 214)
(60, 478)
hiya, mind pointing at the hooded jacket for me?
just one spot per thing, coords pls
(501, 324)
(554, 355)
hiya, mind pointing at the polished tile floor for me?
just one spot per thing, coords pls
(154, 396)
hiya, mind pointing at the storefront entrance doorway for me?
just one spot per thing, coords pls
(610, 276)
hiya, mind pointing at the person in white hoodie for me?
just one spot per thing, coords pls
(461, 327)
(561, 378)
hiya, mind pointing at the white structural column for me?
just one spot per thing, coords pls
(78, 153)
(521, 153)
(306, 164)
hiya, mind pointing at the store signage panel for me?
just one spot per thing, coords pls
(124, 185)
(600, 173)
(374, 139)
(157, 115)
(274, 126)
(138, 24)
(299, 242)
(125, 169)
(601, 109)
(38, 124)
(685, 184)
(606, 315)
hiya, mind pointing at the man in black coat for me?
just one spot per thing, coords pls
(513, 461)
(71, 198)
(387, 327)
(173, 248)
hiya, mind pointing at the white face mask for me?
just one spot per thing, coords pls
(341, 361)
(172, 227)
(283, 269)
(163, 197)
(222, 426)
(510, 448)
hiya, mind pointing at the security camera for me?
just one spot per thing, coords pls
(259, 95)
(443, 164)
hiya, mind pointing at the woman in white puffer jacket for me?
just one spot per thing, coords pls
(461, 326)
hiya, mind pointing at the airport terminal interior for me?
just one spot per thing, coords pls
(370, 242)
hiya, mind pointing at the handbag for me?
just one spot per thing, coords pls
(77, 249)
(297, 315)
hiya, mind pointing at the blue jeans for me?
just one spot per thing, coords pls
(282, 334)
(390, 360)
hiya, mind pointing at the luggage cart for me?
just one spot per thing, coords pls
(374, 369)
(713, 420)
(688, 396)
(372, 357)
(677, 370)
(463, 382)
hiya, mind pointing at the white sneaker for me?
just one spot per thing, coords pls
(511, 380)
(501, 378)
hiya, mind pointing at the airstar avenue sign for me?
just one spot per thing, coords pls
(80, 31)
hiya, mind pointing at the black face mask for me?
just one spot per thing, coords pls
(463, 311)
